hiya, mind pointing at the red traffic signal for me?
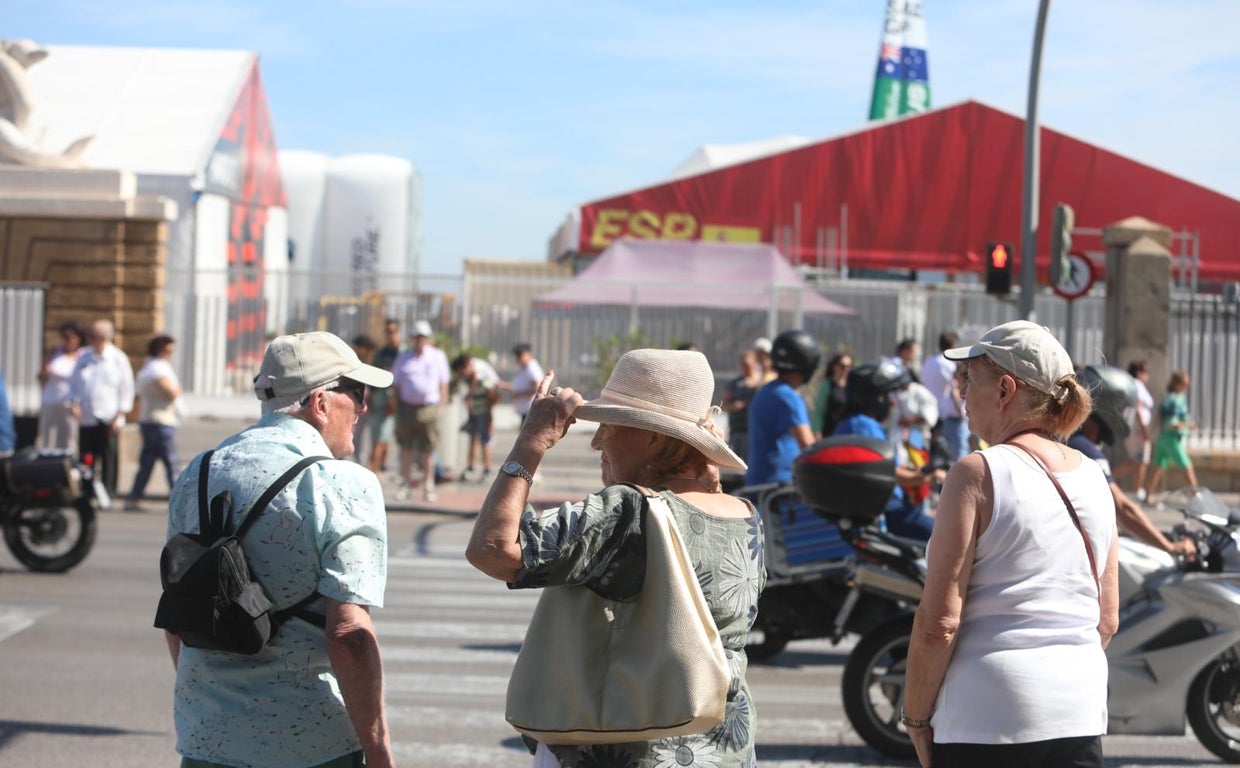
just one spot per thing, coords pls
(999, 268)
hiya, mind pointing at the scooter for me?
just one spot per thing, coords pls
(48, 503)
(1176, 655)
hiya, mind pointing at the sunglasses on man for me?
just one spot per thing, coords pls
(354, 389)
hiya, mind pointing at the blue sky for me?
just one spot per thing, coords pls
(515, 112)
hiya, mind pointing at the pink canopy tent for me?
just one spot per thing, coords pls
(677, 273)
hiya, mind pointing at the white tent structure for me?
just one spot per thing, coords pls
(193, 126)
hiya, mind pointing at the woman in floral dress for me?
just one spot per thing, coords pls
(655, 430)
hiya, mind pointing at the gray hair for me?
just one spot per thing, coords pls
(291, 404)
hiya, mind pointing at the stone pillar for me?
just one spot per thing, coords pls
(1138, 308)
(98, 247)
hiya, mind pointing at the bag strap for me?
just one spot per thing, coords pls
(1076, 520)
(204, 470)
(260, 506)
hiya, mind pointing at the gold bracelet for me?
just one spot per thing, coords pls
(909, 722)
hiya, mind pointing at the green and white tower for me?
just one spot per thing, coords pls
(902, 81)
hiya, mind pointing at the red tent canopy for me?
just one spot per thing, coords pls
(925, 192)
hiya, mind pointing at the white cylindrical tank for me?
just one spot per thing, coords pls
(370, 227)
(305, 181)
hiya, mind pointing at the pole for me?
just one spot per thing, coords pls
(1028, 216)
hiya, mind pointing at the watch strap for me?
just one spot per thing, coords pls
(515, 469)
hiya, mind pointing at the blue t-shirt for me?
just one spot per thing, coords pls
(774, 410)
(1091, 450)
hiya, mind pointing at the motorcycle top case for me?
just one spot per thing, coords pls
(30, 474)
(848, 477)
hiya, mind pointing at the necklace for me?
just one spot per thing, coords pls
(698, 480)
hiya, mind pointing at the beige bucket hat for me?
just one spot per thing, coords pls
(665, 391)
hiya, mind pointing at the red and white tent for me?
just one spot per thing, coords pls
(923, 192)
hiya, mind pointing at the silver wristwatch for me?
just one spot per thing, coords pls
(515, 469)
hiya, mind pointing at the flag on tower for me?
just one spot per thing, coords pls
(902, 80)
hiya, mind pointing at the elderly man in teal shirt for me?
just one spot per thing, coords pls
(314, 696)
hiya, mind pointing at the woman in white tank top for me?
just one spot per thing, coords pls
(1006, 662)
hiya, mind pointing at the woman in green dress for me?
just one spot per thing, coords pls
(656, 430)
(1169, 449)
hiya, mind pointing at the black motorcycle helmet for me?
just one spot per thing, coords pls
(795, 352)
(869, 386)
(1115, 393)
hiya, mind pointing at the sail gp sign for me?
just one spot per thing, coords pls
(611, 224)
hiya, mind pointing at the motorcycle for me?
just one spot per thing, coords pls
(1176, 655)
(828, 576)
(48, 503)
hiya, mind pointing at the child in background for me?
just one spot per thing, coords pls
(1169, 447)
(481, 395)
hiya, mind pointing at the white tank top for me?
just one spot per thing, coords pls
(1028, 663)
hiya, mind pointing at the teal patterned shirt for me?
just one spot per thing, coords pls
(600, 543)
(326, 531)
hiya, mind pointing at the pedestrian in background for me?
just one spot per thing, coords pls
(382, 422)
(1138, 447)
(481, 395)
(159, 393)
(57, 427)
(314, 695)
(1169, 451)
(523, 384)
(101, 392)
(364, 346)
(831, 402)
(421, 381)
(762, 346)
(938, 374)
(736, 399)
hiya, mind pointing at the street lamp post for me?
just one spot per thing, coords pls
(1029, 213)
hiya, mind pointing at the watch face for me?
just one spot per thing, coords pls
(511, 468)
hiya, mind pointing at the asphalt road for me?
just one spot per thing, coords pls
(86, 680)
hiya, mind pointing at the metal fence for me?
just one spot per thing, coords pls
(489, 314)
(21, 351)
(1205, 341)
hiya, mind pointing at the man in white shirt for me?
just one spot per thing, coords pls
(101, 392)
(421, 388)
(938, 374)
(529, 373)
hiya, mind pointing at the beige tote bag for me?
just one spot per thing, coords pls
(596, 671)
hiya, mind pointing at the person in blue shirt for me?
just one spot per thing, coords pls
(8, 433)
(871, 394)
(779, 426)
(1114, 392)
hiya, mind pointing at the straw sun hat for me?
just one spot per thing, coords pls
(665, 391)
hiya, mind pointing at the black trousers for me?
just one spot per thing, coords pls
(104, 445)
(1076, 752)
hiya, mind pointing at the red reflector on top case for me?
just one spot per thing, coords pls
(842, 454)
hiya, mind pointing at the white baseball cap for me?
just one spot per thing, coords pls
(302, 361)
(1028, 351)
(422, 328)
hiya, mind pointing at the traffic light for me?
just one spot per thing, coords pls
(1063, 219)
(999, 268)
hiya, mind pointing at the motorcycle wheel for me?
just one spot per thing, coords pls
(1214, 707)
(51, 540)
(873, 688)
(765, 641)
